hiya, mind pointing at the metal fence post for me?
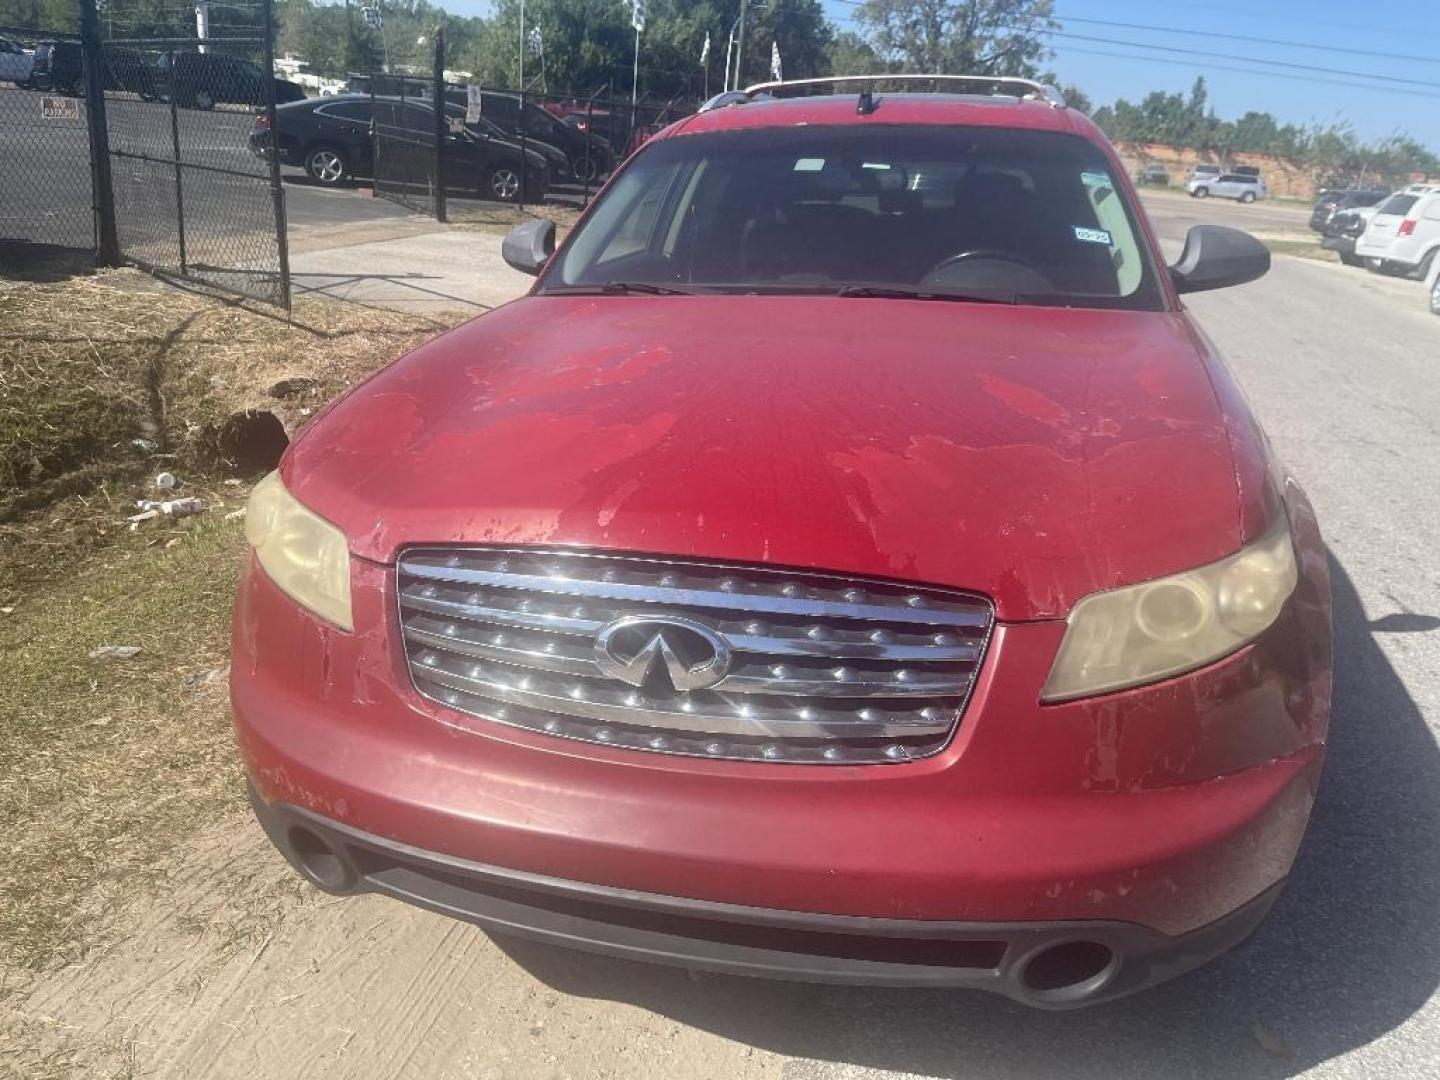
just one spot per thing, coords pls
(524, 156)
(175, 151)
(594, 167)
(107, 242)
(277, 188)
(442, 125)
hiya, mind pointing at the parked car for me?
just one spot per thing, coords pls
(761, 592)
(203, 80)
(15, 63)
(1153, 175)
(555, 159)
(1252, 171)
(1244, 188)
(59, 67)
(587, 156)
(1333, 201)
(1342, 230)
(1403, 234)
(1432, 286)
(1203, 172)
(332, 140)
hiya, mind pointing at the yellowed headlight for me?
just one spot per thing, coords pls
(1145, 632)
(306, 556)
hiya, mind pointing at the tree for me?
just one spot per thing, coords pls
(851, 54)
(988, 37)
(41, 15)
(590, 43)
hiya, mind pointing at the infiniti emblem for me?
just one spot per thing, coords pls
(646, 650)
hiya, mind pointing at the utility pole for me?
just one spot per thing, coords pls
(637, 20)
(349, 39)
(740, 47)
(729, 52)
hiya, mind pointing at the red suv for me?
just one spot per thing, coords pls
(848, 562)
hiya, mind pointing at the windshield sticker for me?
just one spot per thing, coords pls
(1092, 236)
(1096, 179)
(809, 164)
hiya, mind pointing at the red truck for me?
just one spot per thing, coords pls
(849, 561)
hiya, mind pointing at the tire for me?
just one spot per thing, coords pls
(1247, 196)
(1435, 297)
(1349, 258)
(326, 165)
(1375, 266)
(585, 169)
(502, 182)
(1421, 272)
(1200, 193)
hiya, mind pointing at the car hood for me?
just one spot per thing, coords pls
(1031, 454)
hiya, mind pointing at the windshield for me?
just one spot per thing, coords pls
(1031, 216)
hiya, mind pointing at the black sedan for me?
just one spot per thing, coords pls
(1338, 200)
(333, 139)
(1340, 233)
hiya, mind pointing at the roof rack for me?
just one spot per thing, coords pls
(1027, 88)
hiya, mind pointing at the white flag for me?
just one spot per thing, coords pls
(775, 61)
(536, 45)
(705, 49)
(637, 15)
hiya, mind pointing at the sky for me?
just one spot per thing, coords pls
(1396, 43)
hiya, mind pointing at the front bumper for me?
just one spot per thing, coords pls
(1048, 964)
(1147, 815)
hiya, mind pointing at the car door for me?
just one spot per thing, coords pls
(467, 156)
(1426, 231)
(348, 124)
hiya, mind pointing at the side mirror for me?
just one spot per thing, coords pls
(529, 245)
(1216, 257)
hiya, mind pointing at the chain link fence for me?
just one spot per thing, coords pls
(151, 149)
(47, 197)
(498, 145)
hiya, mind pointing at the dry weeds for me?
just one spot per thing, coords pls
(110, 765)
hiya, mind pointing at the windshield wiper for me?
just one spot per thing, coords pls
(886, 292)
(618, 288)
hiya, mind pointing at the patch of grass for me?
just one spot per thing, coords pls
(499, 218)
(1301, 248)
(110, 765)
(106, 380)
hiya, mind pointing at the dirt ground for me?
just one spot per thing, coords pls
(242, 971)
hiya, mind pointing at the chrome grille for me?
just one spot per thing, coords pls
(785, 666)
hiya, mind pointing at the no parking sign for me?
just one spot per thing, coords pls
(59, 108)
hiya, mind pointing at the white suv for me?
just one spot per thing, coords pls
(1230, 185)
(1404, 232)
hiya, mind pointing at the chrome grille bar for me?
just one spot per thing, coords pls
(739, 598)
(780, 639)
(796, 666)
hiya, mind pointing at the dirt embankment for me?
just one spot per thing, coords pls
(1284, 179)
